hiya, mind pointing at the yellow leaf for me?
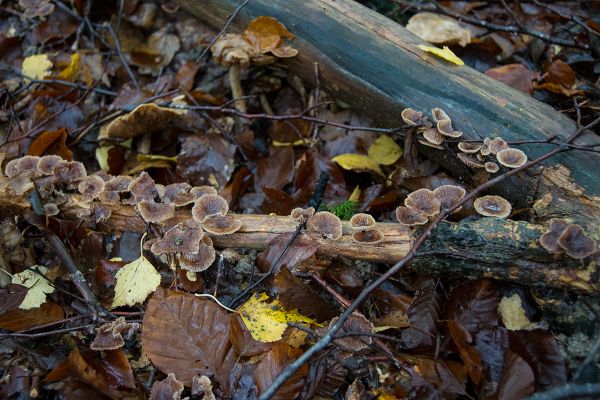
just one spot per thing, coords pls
(155, 157)
(267, 321)
(266, 33)
(355, 196)
(298, 142)
(72, 70)
(513, 315)
(357, 161)
(385, 150)
(36, 67)
(37, 284)
(102, 157)
(444, 53)
(438, 29)
(135, 281)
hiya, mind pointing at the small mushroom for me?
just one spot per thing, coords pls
(414, 118)
(69, 173)
(485, 149)
(184, 237)
(492, 206)
(445, 128)
(143, 188)
(200, 191)
(449, 195)
(301, 215)
(174, 189)
(470, 161)
(439, 115)
(497, 144)
(152, 212)
(202, 259)
(51, 209)
(408, 216)
(109, 197)
(46, 186)
(549, 240)
(368, 236)
(47, 163)
(362, 222)
(207, 205)
(511, 158)
(12, 168)
(327, 224)
(118, 184)
(424, 201)
(433, 136)
(28, 163)
(221, 224)
(576, 243)
(491, 167)
(91, 186)
(429, 144)
(469, 147)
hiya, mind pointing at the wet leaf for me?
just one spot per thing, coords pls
(357, 162)
(19, 319)
(561, 73)
(468, 352)
(71, 72)
(444, 53)
(242, 339)
(168, 388)
(51, 142)
(516, 76)
(423, 313)
(438, 29)
(276, 170)
(197, 331)
(513, 315)
(272, 364)
(385, 151)
(36, 67)
(473, 305)
(11, 296)
(492, 346)
(293, 292)
(302, 248)
(449, 377)
(517, 379)
(267, 320)
(266, 33)
(37, 284)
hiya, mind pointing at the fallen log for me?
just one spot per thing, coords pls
(373, 64)
(487, 247)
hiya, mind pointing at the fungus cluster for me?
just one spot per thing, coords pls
(422, 204)
(492, 206)
(363, 229)
(563, 237)
(432, 136)
(475, 155)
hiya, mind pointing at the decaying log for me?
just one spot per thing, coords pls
(373, 64)
(499, 249)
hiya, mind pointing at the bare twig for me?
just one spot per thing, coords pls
(110, 29)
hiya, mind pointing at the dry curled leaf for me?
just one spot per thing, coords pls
(51, 142)
(266, 33)
(438, 29)
(272, 364)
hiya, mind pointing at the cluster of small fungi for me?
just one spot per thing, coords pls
(563, 237)
(473, 154)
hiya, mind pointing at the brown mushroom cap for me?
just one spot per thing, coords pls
(368, 236)
(231, 48)
(445, 128)
(209, 204)
(429, 144)
(143, 188)
(491, 167)
(46, 186)
(439, 115)
(91, 186)
(28, 163)
(327, 224)
(511, 158)
(201, 260)
(184, 237)
(155, 212)
(485, 149)
(469, 147)
(47, 163)
(12, 168)
(221, 224)
(549, 240)
(576, 243)
(51, 209)
(69, 172)
(200, 191)
(362, 221)
(174, 189)
(449, 195)
(414, 118)
(492, 206)
(118, 184)
(109, 197)
(408, 216)
(302, 215)
(469, 160)
(424, 201)
(497, 144)
(433, 136)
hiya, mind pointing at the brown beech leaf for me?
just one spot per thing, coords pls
(468, 352)
(517, 378)
(474, 305)
(109, 372)
(325, 377)
(189, 336)
(423, 313)
(449, 377)
(277, 201)
(187, 72)
(561, 73)
(266, 33)
(11, 297)
(51, 142)
(301, 249)
(106, 270)
(242, 339)
(272, 364)
(541, 352)
(492, 346)
(516, 76)
(19, 319)
(276, 170)
(169, 388)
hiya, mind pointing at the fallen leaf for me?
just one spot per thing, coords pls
(38, 286)
(11, 296)
(357, 162)
(168, 388)
(516, 76)
(438, 29)
(302, 248)
(36, 67)
(272, 364)
(466, 349)
(71, 72)
(444, 53)
(424, 313)
(19, 319)
(513, 315)
(135, 281)
(517, 381)
(51, 142)
(266, 320)
(561, 73)
(385, 150)
(276, 170)
(266, 33)
(473, 305)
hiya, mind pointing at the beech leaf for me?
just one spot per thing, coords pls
(438, 29)
(266, 320)
(385, 150)
(513, 315)
(357, 162)
(36, 67)
(444, 53)
(37, 284)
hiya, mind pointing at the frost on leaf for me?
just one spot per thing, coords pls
(266, 320)
(38, 286)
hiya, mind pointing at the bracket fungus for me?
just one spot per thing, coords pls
(152, 212)
(221, 224)
(143, 188)
(496, 145)
(302, 215)
(511, 158)
(549, 239)
(414, 118)
(327, 224)
(183, 237)
(47, 163)
(69, 173)
(470, 161)
(433, 136)
(576, 243)
(424, 201)
(468, 147)
(444, 123)
(362, 221)
(409, 217)
(207, 205)
(368, 236)
(449, 195)
(492, 206)
(202, 259)
(491, 167)
(91, 187)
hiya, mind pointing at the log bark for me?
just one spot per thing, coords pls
(373, 64)
(485, 247)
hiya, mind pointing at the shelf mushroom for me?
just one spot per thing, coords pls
(363, 229)
(449, 195)
(221, 224)
(302, 215)
(409, 217)
(207, 205)
(492, 206)
(491, 167)
(152, 212)
(414, 118)
(576, 243)
(202, 259)
(549, 240)
(91, 186)
(511, 158)
(496, 145)
(468, 147)
(327, 224)
(184, 237)
(424, 201)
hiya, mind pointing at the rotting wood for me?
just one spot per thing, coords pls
(373, 64)
(487, 247)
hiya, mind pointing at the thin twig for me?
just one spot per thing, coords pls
(110, 29)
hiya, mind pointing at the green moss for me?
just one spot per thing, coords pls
(344, 210)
